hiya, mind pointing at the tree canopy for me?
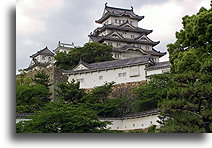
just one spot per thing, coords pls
(89, 53)
(32, 93)
(62, 118)
(187, 107)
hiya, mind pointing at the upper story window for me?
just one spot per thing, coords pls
(109, 43)
(122, 74)
(43, 57)
(116, 21)
(131, 22)
(50, 58)
(119, 21)
(100, 77)
(80, 80)
(118, 44)
(132, 36)
(147, 47)
(116, 56)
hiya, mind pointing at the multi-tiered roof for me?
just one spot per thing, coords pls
(120, 29)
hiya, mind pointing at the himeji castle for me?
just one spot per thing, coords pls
(120, 29)
(136, 58)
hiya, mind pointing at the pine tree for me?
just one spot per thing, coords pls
(187, 107)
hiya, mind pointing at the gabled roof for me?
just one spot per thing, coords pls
(120, 28)
(112, 11)
(81, 62)
(36, 63)
(64, 46)
(143, 36)
(126, 23)
(159, 65)
(101, 39)
(152, 52)
(114, 32)
(44, 51)
(112, 64)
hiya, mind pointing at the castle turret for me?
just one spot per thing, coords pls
(120, 29)
(40, 60)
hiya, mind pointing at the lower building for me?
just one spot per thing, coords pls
(119, 71)
(139, 121)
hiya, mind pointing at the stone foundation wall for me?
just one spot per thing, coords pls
(122, 90)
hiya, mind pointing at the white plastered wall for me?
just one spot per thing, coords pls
(132, 123)
(91, 79)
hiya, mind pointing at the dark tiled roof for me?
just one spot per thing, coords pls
(152, 52)
(64, 46)
(121, 28)
(112, 64)
(44, 51)
(112, 11)
(159, 65)
(136, 115)
(36, 63)
(101, 39)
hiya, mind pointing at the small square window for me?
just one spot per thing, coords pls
(122, 74)
(80, 80)
(132, 36)
(100, 77)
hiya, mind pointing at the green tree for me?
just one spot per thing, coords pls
(30, 98)
(42, 78)
(62, 118)
(187, 107)
(70, 92)
(148, 95)
(31, 93)
(89, 53)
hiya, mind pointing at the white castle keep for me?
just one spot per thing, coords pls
(135, 57)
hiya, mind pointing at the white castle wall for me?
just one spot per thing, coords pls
(132, 123)
(92, 79)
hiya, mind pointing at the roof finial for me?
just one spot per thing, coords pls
(106, 4)
(132, 8)
(80, 61)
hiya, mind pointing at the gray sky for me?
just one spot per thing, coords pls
(42, 23)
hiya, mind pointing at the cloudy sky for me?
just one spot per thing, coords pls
(42, 23)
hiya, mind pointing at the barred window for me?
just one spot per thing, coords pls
(80, 80)
(122, 74)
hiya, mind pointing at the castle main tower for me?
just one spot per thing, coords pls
(120, 29)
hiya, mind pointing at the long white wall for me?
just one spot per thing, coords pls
(132, 123)
(157, 71)
(119, 75)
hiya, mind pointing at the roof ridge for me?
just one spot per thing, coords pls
(118, 8)
(121, 59)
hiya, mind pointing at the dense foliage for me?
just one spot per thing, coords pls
(89, 53)
(62, 118)
(148, 95)
(32, 95)
(187, 107)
